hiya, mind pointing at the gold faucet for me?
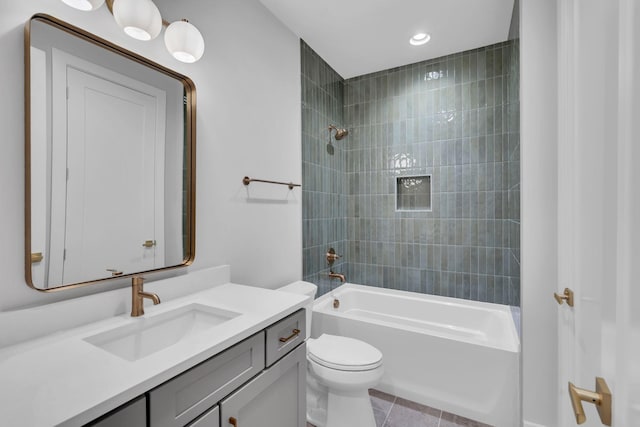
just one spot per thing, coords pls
(138, 295)
(333, 275)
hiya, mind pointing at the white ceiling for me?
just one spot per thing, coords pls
(358, 37)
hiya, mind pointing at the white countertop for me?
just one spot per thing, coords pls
(63, 380)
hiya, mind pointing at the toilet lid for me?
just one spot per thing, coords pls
(343, 353)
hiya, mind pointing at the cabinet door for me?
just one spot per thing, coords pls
(132, 414)
(275, 398)
(183, 398)
(210, 418)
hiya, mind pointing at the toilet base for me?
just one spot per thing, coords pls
(340, 398)
(316, 402)
(350, 410)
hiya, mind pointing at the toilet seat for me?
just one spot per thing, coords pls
(343, 353)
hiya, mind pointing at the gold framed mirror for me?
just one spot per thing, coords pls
(109, 160)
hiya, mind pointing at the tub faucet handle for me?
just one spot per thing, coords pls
(332, 256)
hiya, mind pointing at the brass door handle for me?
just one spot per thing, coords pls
(601, 398)
(294, 333)
(567, 296)
(36, 257)
(233, 421)
(149, 243)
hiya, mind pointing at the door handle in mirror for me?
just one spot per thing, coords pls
(567, 296)
(601, 398)
(114, 272)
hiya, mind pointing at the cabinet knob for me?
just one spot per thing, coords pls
(233, 421)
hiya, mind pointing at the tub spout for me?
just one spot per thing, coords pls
(337, 276)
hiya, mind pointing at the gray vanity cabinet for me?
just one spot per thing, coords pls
(131, 414)
(259, 382)
(275, 398)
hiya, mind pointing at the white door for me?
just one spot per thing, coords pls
(110, 175)
(599, 205)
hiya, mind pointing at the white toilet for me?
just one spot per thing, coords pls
(340, 371)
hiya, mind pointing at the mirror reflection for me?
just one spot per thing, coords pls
(110, 164)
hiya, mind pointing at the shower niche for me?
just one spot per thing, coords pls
(413, 193)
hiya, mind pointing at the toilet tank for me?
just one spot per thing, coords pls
(303, 288)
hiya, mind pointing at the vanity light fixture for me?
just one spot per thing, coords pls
(141, 20)
(184, 41)
(419, 39)
(85, 5)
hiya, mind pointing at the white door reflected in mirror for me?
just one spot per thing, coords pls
(114, 192)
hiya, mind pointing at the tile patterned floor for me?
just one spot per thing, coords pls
(392, 411)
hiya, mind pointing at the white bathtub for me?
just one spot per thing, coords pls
(456, 355)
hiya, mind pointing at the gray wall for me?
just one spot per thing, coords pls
(454, 118)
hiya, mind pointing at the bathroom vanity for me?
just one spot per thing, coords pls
(239, 360)
(214, 390)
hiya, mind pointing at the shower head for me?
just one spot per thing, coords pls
(340, 133)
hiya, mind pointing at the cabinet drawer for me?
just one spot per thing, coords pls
(180, 400)
(282, 336)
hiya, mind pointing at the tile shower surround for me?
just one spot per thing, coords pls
(324, 196)
(455, 118)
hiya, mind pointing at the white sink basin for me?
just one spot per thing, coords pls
(151, 334)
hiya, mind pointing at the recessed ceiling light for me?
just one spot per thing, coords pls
(419, 39)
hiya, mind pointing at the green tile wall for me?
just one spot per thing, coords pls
(324, 194)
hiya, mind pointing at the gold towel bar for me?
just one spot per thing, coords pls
(246, 181)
